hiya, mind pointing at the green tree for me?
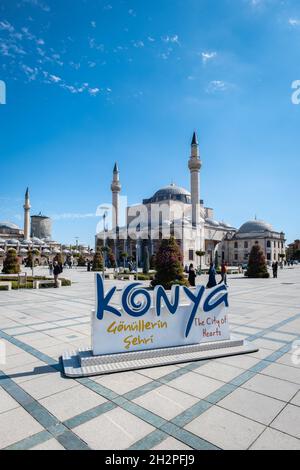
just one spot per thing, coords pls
(146, 260)
(217, 265)
(257, 267)
(29, 260)
(152, 262)
(169, 269)
(200, 254)
(112, 259)
(81, 260)
(11, 264)
(123, 257)
(97, 261)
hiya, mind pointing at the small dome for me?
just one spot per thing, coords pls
(13, 241)
(256, 226)
(9, 226)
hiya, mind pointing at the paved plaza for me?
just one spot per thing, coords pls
(242, 402)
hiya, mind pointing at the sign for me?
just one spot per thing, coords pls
(138, 319)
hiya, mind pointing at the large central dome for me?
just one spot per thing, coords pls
(171, 192)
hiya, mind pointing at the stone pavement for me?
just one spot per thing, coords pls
(243, 402)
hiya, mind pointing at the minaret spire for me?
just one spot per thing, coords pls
(27, 208)
(116, 189)
(194, 167)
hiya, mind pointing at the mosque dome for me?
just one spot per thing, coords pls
(255, 226)
(171, 192)
(8, 226)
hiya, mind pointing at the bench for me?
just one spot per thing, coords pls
(7, 284)
(38, 283)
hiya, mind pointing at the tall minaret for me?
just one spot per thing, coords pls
(194, 167)
(116, 189)
(27, 207)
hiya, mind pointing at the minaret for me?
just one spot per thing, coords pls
(194, 167)
(116, 189)
(27, 207)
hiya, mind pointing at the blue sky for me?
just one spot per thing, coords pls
(91, 82)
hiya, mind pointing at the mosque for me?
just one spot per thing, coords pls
(179, 212)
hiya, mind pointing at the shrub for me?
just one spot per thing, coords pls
(81, 261)
(169, 269)
(97, 261)
(257, 267)
(11, 264)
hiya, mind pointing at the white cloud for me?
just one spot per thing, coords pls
(73, 216)
(94, 91)
(207, 56)
(218, 86)
(294, 21)
(173, 39)
(93, 24)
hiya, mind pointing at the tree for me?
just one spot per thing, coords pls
(81, 260)
(97, 261)
(217, 265)
(123, 257)
(169, 269)
(11, 264)
(112, 259)
(297, 255)
(200, 254)
(257, 267)
(29, 260)
(152, 262)
(146, 260)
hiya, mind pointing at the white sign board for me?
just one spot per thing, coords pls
(139, 319)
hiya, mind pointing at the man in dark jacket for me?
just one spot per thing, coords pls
(56, 272)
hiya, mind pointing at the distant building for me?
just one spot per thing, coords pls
(293, 250)
(235, 248)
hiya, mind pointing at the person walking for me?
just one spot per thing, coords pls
(211, 277)
(275, 270)
(223, 273)
(192, 276)
(56, 272)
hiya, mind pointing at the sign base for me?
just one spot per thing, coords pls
(82, 363)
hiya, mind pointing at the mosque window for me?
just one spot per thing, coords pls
(236, 257)
(246, 245)
(191, 255)
(269, 256)
(236, 245)
(268, 244)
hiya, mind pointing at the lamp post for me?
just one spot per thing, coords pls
(137, 258)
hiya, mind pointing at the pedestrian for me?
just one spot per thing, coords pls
(56, 272)
(88, 266)
(192, 275)
(223, 273)
(211, 277)
(275, 270)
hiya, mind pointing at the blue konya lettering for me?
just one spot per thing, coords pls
(136, 301)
